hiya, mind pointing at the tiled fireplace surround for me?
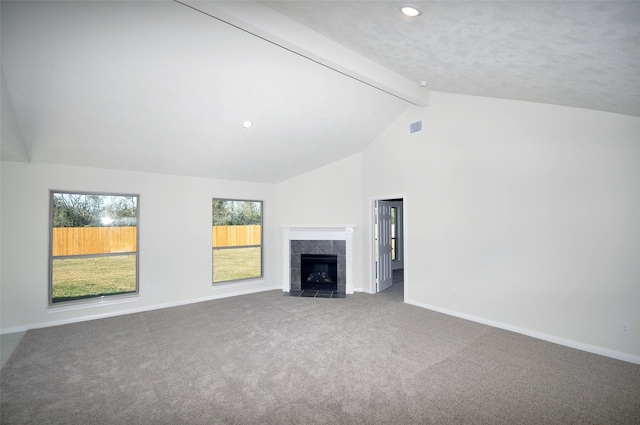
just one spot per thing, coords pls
(334, 240)
(336, 248)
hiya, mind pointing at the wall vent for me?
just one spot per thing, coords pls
(415, 127)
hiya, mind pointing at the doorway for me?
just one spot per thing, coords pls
(388, 244)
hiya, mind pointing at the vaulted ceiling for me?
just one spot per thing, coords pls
(164, 86)
(584, 54)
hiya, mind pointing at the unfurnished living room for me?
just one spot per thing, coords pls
(320, 212)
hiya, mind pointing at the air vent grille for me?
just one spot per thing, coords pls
(415, 127)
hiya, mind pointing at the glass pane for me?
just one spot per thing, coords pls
(393, 250)
(236, 213)
(394, 212)
(236, 239)
(78, 278)
(237, 263)
(85, 224)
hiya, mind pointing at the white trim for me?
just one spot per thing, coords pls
(534, 334)
(316, 233)
(135, 310)
(286, 259)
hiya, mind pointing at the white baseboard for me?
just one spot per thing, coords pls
(534, 334)
(244, 291)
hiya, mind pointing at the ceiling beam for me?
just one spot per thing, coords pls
(273, 27)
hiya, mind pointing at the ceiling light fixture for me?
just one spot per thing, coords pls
(247, 124)
(411, 10)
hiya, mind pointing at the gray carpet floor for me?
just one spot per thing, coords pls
(271, 359)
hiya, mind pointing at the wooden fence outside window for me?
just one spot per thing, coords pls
(236, 235)
(108, 240)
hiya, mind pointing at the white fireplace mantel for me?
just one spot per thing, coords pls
(317, 233)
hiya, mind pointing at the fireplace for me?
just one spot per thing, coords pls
(320, 242)
(320, 256)
(319, 272)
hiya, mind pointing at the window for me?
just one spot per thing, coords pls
(94, 246)
(394, 237)
(237, 239)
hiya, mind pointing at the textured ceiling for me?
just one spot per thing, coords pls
(162, 86)
(583, 54)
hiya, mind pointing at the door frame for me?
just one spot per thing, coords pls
(405, 251)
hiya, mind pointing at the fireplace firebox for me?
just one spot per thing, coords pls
(319, 272)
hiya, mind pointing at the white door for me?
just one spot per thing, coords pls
(382, 231)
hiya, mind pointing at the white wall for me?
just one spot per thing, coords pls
(529, 212)
(174, 236)
(12, 146)
(328, 196)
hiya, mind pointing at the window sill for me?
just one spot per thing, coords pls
(239, 282)
(98, 302)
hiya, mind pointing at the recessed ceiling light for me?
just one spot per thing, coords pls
(411, 10)
(247, 124)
